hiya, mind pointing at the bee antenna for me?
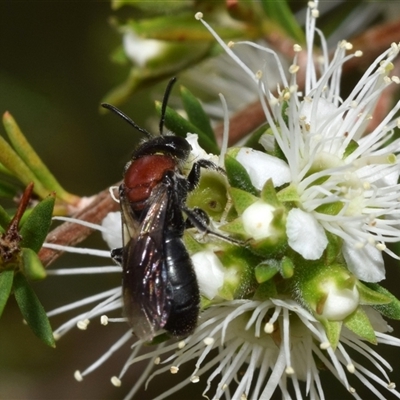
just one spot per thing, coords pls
(126, 118)
(165, 102)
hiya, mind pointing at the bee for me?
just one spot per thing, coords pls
(160, 289)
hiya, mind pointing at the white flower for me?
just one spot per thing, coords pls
(257, 220)
(209, 272)
(141, 51)
(302, 227)
(345, 180)
(261, 167)
(273, 330)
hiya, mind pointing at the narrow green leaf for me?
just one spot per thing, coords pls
(266, 270)
(33, 267)
(390, 310)
(6, 281)
(14, 163)
(358, 322)
(34, 230)
(32, 159)
(279, 12)
(181, 127)
(332, 330)
(238, 176)
(32, 310)
(253, 140)
(8, 190)
(242, 199)
(196, 114)
(183, 27)
(268, 194)
(369, 296)
(5, 219)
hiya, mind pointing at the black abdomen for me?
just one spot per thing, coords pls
(182, 282)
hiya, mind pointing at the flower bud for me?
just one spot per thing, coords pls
(329, 291)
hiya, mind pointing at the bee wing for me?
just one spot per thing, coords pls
(145, 281)
(130, 222)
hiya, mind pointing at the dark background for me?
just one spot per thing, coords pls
(54, 70)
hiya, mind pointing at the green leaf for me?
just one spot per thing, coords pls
(390, 310)
(265, 291)
(6, 281)
(210, 195)
(181, 127)
(358, 322)
(253, 140)
(266, 270)
(13, 162)
(182, 28)
(332, 330)
(31, 158)
(196, 113)
(242, 199)
(32, 310)
(370, 296)
(268, 194)
(287, 268)
(238, 176)
(32, 266)
(8, 190)
(37, 225)
(5, 219)
(154, 6)
(280, 12)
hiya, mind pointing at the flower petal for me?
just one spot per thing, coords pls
(209, 272)
(366, 263)
(305, 234)
(261, 167)
(113, 235)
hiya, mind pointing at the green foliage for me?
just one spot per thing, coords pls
(32, 310)
(19, 244)
(196, 114)
(181, 127)
(238, 176)
(280, 13)
(6, 281)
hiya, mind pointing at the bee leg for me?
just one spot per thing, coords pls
(116, 255)
(197, 218)
(194, 174)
